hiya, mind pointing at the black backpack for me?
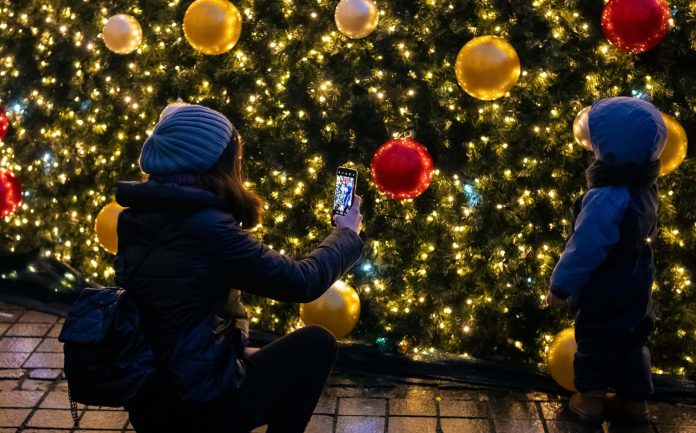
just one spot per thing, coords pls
(108, 360)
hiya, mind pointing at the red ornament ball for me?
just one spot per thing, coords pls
(636, 25)
(4, 124)
(402, 168)
(10, 193)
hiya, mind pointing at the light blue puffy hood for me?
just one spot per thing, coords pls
(626, 130)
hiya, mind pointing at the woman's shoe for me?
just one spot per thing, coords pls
(613, 406)
(636, 410)
(589, 406)
(631, 410)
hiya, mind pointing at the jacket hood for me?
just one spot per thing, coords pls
(626, 130)
(153, 195)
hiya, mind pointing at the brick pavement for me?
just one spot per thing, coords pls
(33, 398)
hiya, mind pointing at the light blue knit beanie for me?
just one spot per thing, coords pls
(190, 139)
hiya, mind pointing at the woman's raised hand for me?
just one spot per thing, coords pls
(352, 218)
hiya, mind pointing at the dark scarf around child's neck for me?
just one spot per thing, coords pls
(601, 174)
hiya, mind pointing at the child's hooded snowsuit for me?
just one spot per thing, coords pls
(607, 267)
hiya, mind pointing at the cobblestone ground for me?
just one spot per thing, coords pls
(33, 398)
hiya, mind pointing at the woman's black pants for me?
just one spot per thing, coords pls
(282, 386)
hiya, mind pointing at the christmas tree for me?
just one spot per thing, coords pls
(464, 267)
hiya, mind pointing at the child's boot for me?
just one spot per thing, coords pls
(588, 405)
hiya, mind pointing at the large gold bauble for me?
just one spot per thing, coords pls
(106, 226)
(675, 147)
(212, 26)
(337, 310)
(487, 67)
(560, 358)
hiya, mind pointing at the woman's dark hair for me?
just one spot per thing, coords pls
(226, 178)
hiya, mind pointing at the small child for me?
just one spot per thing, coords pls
(606, 271)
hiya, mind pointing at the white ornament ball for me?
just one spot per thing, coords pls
(122, 34)
(356, 18)
(581, 128)
(169, 109)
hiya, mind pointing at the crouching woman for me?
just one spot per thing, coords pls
(185, 254)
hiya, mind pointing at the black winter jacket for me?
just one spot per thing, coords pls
(181, 254)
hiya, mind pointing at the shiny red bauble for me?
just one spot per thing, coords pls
(636, 25)
(402, 168)
(4, 124)
(10, 193)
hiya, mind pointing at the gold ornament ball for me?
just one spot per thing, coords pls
(559, 359)
(356, 18)
(581, 128)
(487, 67)
(337, 310)
(675, 146)
(169, 109)
(122, 34)
(106, 226)
(212, 26)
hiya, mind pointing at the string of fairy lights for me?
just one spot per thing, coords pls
(71, 142)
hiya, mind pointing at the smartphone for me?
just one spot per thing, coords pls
(346, 180)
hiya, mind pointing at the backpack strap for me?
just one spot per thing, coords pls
(73, 410)
(155, 243)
